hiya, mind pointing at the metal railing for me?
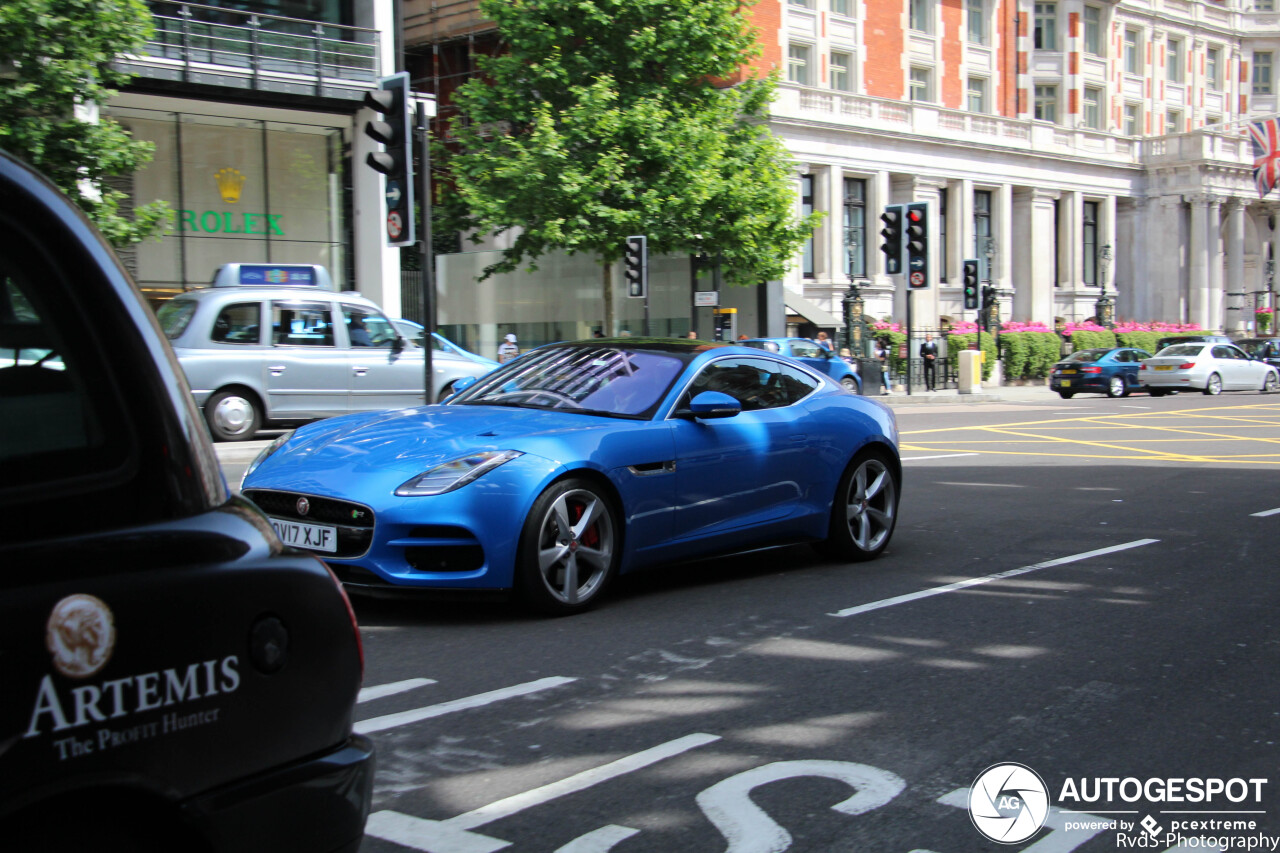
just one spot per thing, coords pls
(212, 44)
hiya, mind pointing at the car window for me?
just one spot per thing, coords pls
(768, 346)
(367, 327)
(59, 418)
(301, 324)
(592, 379)
(1182, 349)
(1224, 352)
(238, 323)
(1086, 355)
(175, 315)
(756, 383)
(1140, 354)
(805, 349)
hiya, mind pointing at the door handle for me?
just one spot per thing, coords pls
(276, 369)
(360, 371)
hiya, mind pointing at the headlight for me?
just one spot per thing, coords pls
(455, 473)
(267, 451)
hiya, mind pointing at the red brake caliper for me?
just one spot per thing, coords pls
(590, 536)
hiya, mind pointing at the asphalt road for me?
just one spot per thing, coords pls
(1083, 587)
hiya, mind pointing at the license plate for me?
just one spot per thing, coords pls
(1065, 383)
(1164, 367)
(1068, 373)
(316, 537)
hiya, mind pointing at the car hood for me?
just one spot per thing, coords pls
(398, 444)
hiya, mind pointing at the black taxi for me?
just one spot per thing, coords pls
(174, 678)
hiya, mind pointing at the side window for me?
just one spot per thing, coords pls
(1124, 357)
(756, 383)
(301, 324)
(1223, 352)
(804, 349)
(59, 417)
(237, 324)
(366, 327)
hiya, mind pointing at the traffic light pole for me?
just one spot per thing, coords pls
(910, 342)
(428, 255)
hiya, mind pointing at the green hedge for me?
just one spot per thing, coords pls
(1029, 355)
(1081, 339)
(1141, 340)
(958, 343)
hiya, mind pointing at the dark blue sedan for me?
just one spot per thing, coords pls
(814, 355)
(580, 461)
(1112, 371)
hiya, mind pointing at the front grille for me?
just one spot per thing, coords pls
(353, 521)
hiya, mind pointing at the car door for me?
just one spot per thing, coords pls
(1233, 366)
(306, 374)
(751, 468)
(382, 375)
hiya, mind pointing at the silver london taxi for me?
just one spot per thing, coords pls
(255, 354)
(174, 677)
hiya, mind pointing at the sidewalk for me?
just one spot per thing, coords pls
(988, 394)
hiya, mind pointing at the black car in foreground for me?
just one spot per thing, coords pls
(174, 678)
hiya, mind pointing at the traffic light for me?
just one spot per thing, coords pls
(635, 266)
(892, 234)
(917, 242)
(970, 285)
(395, 132)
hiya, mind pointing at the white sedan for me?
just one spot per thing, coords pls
(1208, 367)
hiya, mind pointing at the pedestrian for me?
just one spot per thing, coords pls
(693, 336)
(597, 334)
(824, 341)
(508, 349)
(846, 356)
(929, 353)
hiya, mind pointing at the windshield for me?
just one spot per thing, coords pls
(174, 316)
(1087, 355)
(598, 380)
(1182, 349)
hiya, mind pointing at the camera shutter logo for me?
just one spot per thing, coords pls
(1008, 803)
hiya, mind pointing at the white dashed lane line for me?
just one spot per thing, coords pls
(368, 694)
(1266, 512)
(965, 584)
(404, 718)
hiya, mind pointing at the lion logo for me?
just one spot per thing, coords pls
(80, 635)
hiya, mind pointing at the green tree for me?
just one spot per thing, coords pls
(55, 73)
(606, 118)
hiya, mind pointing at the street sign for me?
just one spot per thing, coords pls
(917, 279)
(395, 225)
(706, 298)
(393, 194)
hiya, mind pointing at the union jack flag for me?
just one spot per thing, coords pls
(1266, 154)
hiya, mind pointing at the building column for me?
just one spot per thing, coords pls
(1002, 230)
(1035, 238)
(1198, 290)
(1164, 277)
(1236, 319)
(1216, 257)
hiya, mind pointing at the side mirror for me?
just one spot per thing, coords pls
(397, 345)
(463, 384)
(710, 405)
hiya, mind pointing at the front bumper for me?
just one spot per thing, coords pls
(319, 805)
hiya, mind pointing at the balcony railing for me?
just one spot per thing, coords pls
(207, 45)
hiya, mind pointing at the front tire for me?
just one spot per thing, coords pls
(233, 415)
(865, 509)
(1214, 386)
(1117, 387)
(849, 384)
(569, 549)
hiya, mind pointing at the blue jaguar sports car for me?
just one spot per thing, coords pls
(582, 460)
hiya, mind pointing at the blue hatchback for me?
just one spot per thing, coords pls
(1113, 372)
(814, 355)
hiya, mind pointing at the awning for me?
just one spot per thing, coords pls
(811, 311)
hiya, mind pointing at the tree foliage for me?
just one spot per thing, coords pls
(606, 118)
(55, 71)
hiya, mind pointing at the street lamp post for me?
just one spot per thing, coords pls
(1271, 292)
(853, 305)
(1104, 308)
